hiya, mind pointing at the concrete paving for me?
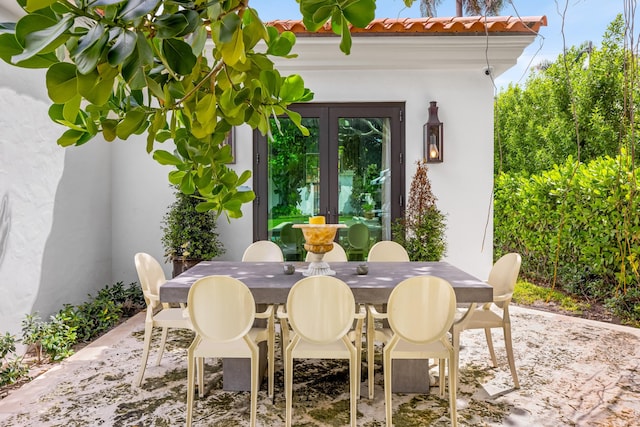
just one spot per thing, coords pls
(573, 372)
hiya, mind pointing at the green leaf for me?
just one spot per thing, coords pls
(132, 121)
(135, 9)
(229, 26)
(71, 109)
(90, 49)
(133, 72)
(145, 53)
(245, 196)
(179, 56)
(62, 83)
(282, 45)
(9, 47)
(97, 86)
(122, 48)
(345, 42)
(43, 40)
(194, 22)
(244, 176)
(292, 88)
(206, 109)
(33, 5)
(165, 158)
(73, 137)
(109, 129)
(360, 12)
(234, 51)
(186, 185)
(168, 26)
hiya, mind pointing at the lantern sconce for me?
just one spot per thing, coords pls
(433, 136)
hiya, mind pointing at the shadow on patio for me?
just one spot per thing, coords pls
(572, 372)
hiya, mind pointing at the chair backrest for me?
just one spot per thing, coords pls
(151, 276)
(320, 309)
(263, 250)
(421, 309)
(387, 250)
(337, 254)
(290, 235)
(358, 235)
(221, 308)
(504, 274)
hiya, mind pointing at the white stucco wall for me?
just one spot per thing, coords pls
(58, 248)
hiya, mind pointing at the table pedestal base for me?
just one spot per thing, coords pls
(236, 372)
(409, 376)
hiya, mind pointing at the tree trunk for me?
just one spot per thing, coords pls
(458, 7)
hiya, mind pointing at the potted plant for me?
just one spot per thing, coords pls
(421, 231)
(367, 208)
(189, 236)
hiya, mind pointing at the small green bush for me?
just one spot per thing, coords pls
(11, 369)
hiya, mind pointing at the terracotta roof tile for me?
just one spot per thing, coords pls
(470, 25)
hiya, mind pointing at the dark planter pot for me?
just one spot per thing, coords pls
(182, 265)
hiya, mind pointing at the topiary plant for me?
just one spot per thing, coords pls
(189, 234)
(421, 231)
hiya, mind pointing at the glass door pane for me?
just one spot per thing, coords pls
(364, 183)
(293, 167)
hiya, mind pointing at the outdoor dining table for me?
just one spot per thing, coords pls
(270, 285)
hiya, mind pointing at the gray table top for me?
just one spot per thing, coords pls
(269, 284)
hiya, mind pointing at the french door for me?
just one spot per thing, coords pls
(349, 169)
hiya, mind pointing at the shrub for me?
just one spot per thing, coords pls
(11, 370)
(585, 216)
(421, 231)
(189, 234)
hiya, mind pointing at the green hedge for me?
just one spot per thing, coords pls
(587, 216)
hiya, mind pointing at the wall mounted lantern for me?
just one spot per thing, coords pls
(433, 136)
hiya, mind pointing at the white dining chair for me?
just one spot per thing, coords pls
(502, 277)
(222, 311)
(389, 251)
(151, 277)
(382, 251)
(263, 250)
(421, 310)
(318, 323)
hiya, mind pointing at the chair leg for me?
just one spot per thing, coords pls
(270, 364)
(145, 353)
(200, 373)
(288, 385)
(508, 345)
(354, 386)
(254, 386)
(452, 390)
(441, 373)
(162, 344)
(487, 333)
(386, 362)
(455, 338)
(190, 386)
(370, 337)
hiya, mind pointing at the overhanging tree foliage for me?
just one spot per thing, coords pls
(124, 67)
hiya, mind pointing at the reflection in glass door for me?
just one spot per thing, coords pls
(364, 183)
(342, 170)
(293, 170)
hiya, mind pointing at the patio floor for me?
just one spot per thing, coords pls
(573, 372)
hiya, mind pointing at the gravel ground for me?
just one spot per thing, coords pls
(572, 371)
